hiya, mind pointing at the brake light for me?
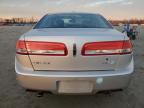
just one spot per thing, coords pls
(41, 48)
(21, 47)
(107, 48)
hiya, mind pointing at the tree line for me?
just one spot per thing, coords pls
(131, 21)
(33, 20)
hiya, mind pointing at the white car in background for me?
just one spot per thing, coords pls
(74, 53)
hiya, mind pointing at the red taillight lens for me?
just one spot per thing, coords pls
(107, 48)
(42, 48)
(21, 47)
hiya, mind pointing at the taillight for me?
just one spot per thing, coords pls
(21, 47)
(107, 48)
(41, 48)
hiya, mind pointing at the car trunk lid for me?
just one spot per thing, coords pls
(74, 40)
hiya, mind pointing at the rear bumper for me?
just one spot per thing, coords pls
(48, 81)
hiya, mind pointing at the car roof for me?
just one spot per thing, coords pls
(60, 13)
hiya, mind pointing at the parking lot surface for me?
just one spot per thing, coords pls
(14, 96)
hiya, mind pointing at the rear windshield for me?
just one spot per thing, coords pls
(73, 21)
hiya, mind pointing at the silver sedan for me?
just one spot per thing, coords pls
(74, 53)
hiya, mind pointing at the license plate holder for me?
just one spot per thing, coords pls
(75, 87)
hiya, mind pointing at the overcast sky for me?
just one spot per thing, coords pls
(115, 9)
